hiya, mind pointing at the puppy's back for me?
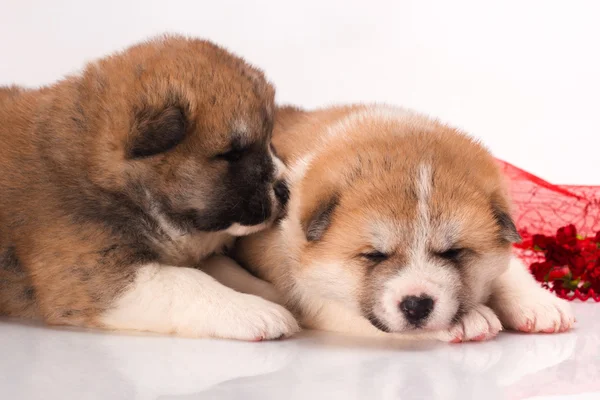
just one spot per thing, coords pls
(8, 93)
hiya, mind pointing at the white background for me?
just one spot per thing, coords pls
(522, 75)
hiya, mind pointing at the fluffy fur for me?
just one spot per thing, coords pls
(115, 182)
(396, 224)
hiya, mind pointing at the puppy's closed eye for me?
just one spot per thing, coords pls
(232, 155)
(375, 256)
(453, 254)
(157, 131)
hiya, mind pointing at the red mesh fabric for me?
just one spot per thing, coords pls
(541, 208)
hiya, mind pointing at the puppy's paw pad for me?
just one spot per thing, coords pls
(541, 312)
(478, 325)
(480, 338)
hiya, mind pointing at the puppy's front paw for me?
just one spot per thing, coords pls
(536, 311)
(477, 325)
(253, 318)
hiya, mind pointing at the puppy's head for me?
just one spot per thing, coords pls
(183, 127)
(404, 222)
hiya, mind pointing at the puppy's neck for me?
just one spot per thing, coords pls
(180, 246)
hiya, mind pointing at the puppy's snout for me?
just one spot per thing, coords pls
(282, 192)
(416, 309)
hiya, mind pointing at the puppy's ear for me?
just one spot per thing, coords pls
(156, 131)
(508, 229)
(316, 221)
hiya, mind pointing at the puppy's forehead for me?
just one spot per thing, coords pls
(246, 131)
(221, 92)
(385, 234)
(416, 206)
(401, 177)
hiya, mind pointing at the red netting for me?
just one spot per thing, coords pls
(540, 210)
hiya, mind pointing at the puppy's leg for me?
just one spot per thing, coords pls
(522, 304)
(188, 302)
(231, 274)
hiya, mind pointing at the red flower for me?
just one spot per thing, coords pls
(571, 264)
(542, 242)
(558, 255)
(540, 270)
(578, 264)
(558, 273)
(567, 235)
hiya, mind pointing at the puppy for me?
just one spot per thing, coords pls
(396, 223)
(116, 183)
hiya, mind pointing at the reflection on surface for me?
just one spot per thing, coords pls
(46, 363)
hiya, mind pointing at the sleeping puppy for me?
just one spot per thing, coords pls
(396, 223)
(116, 182)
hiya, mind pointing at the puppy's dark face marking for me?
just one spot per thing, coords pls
(242, 188)
(159, 131)
(508, 229)
(315, 224)
(414, 244)
(186, 137)
(208, 190)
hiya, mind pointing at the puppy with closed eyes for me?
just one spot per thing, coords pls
(397, 224)
(117, 184)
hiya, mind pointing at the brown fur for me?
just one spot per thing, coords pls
(365, 172)
(75, 216)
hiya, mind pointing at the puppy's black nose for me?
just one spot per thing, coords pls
(282, 192)
(416, 309)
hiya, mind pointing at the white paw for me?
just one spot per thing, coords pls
(252, 318)
(477, 325)
(537, 311)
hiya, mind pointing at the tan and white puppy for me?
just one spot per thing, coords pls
(117, 182)
(396, 223)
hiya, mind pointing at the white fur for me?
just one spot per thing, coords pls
(297, 171)
(243, 230)
(187, 302)
(523, 305)
(480, 323)
(330, 281)
(418, 250)
(378, 113)
(421, 275)
(241, 128)
(280, 168)
(291, 230)
(384, 235)
(415, 280)
(335, 316)
(364, 115)
(231, 274)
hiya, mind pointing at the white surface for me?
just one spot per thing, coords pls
(521, 74)
(44, 363)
